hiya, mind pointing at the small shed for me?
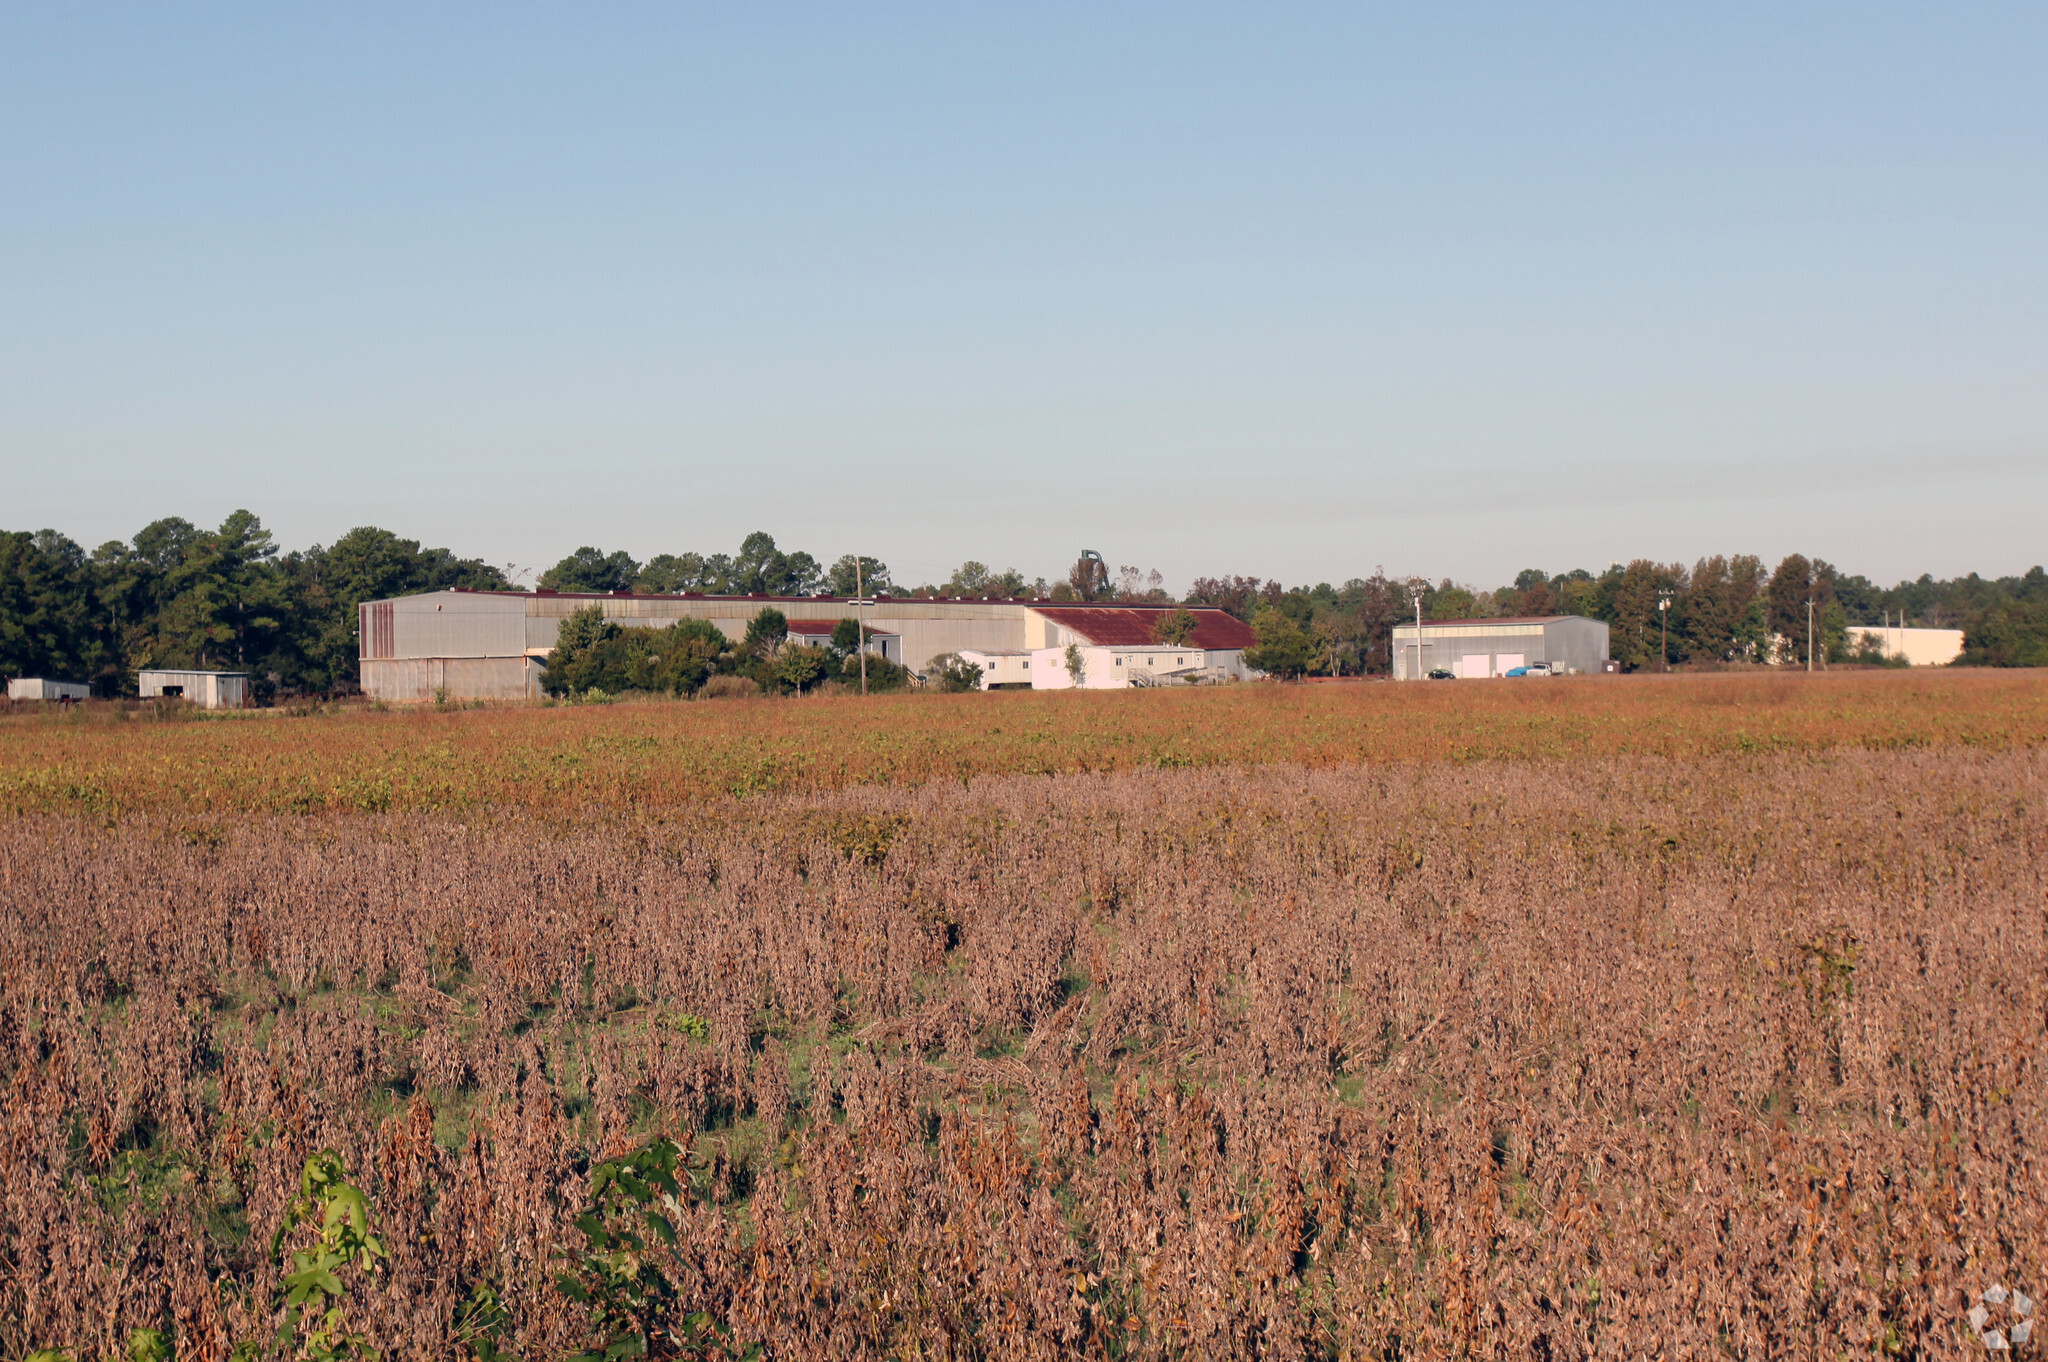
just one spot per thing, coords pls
(39, 688)
(208, 690)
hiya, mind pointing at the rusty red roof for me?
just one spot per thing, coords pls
(1136, 626)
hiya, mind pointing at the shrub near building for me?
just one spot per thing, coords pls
(594, 653)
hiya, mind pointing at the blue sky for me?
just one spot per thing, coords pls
(1281, 290)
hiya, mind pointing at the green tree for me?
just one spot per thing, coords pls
(591, 569)
(667, 574)
(798, 666)
(841, 579)
(2008, 634)
(595, 653)
(1797, 581)
(952, 672)
(224, 601)
(1174, 627)
(572, 664)
(765, 631)
(1636, 631)
(1283, 649)
(50, 623)
(1452, 603)
(1720, 617)
(762, 569)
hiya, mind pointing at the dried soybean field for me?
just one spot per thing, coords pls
(1688, 1018)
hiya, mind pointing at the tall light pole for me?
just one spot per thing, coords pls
(860, 622)
(1664, 629)
(1416, 592)
(1809, 635)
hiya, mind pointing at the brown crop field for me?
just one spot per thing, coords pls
(1682, 1018)
(668, 753)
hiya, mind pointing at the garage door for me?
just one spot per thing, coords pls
(1475, 664)
(1505, 662)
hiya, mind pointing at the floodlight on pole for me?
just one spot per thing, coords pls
(1664, 630)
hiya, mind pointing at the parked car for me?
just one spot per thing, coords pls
(1516, 671)
(1442, 674)
(1533, 669)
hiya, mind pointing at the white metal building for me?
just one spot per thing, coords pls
(208, 690)
(1118, 647)
(1919, 647)
(1570, 644)
(39, 688)
(494, 644)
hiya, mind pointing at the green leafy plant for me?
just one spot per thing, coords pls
(480, 1323)
(798, 666)
(618, 1276)
(315, 1324)
(689, 1023)
(150, 1345)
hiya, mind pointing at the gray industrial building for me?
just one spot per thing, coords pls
(1475, 648)
(493, 645)
(41, 688)
(208, 690)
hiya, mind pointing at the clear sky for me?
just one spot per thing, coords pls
(1279, 290)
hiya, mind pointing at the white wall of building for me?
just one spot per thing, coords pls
(1919, 647)
(37, 688)
(208, 690)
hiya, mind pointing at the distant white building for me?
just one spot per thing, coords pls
(38, 688)
(1118, 647)
(208, 690)
(1919, 647)
(1566, 644)
(494, 644)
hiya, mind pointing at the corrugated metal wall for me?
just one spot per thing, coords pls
(1579, 644)
(378, 639)
(453, 624)
(405, 680)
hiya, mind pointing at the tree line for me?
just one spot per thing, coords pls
(1722, 610)
(178, 595)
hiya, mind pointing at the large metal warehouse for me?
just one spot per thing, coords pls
(493, 645)
(1475, 648)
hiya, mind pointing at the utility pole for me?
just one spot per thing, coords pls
(1664, 629)
(1809, 635)
(860, 623)
(1416, 591)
